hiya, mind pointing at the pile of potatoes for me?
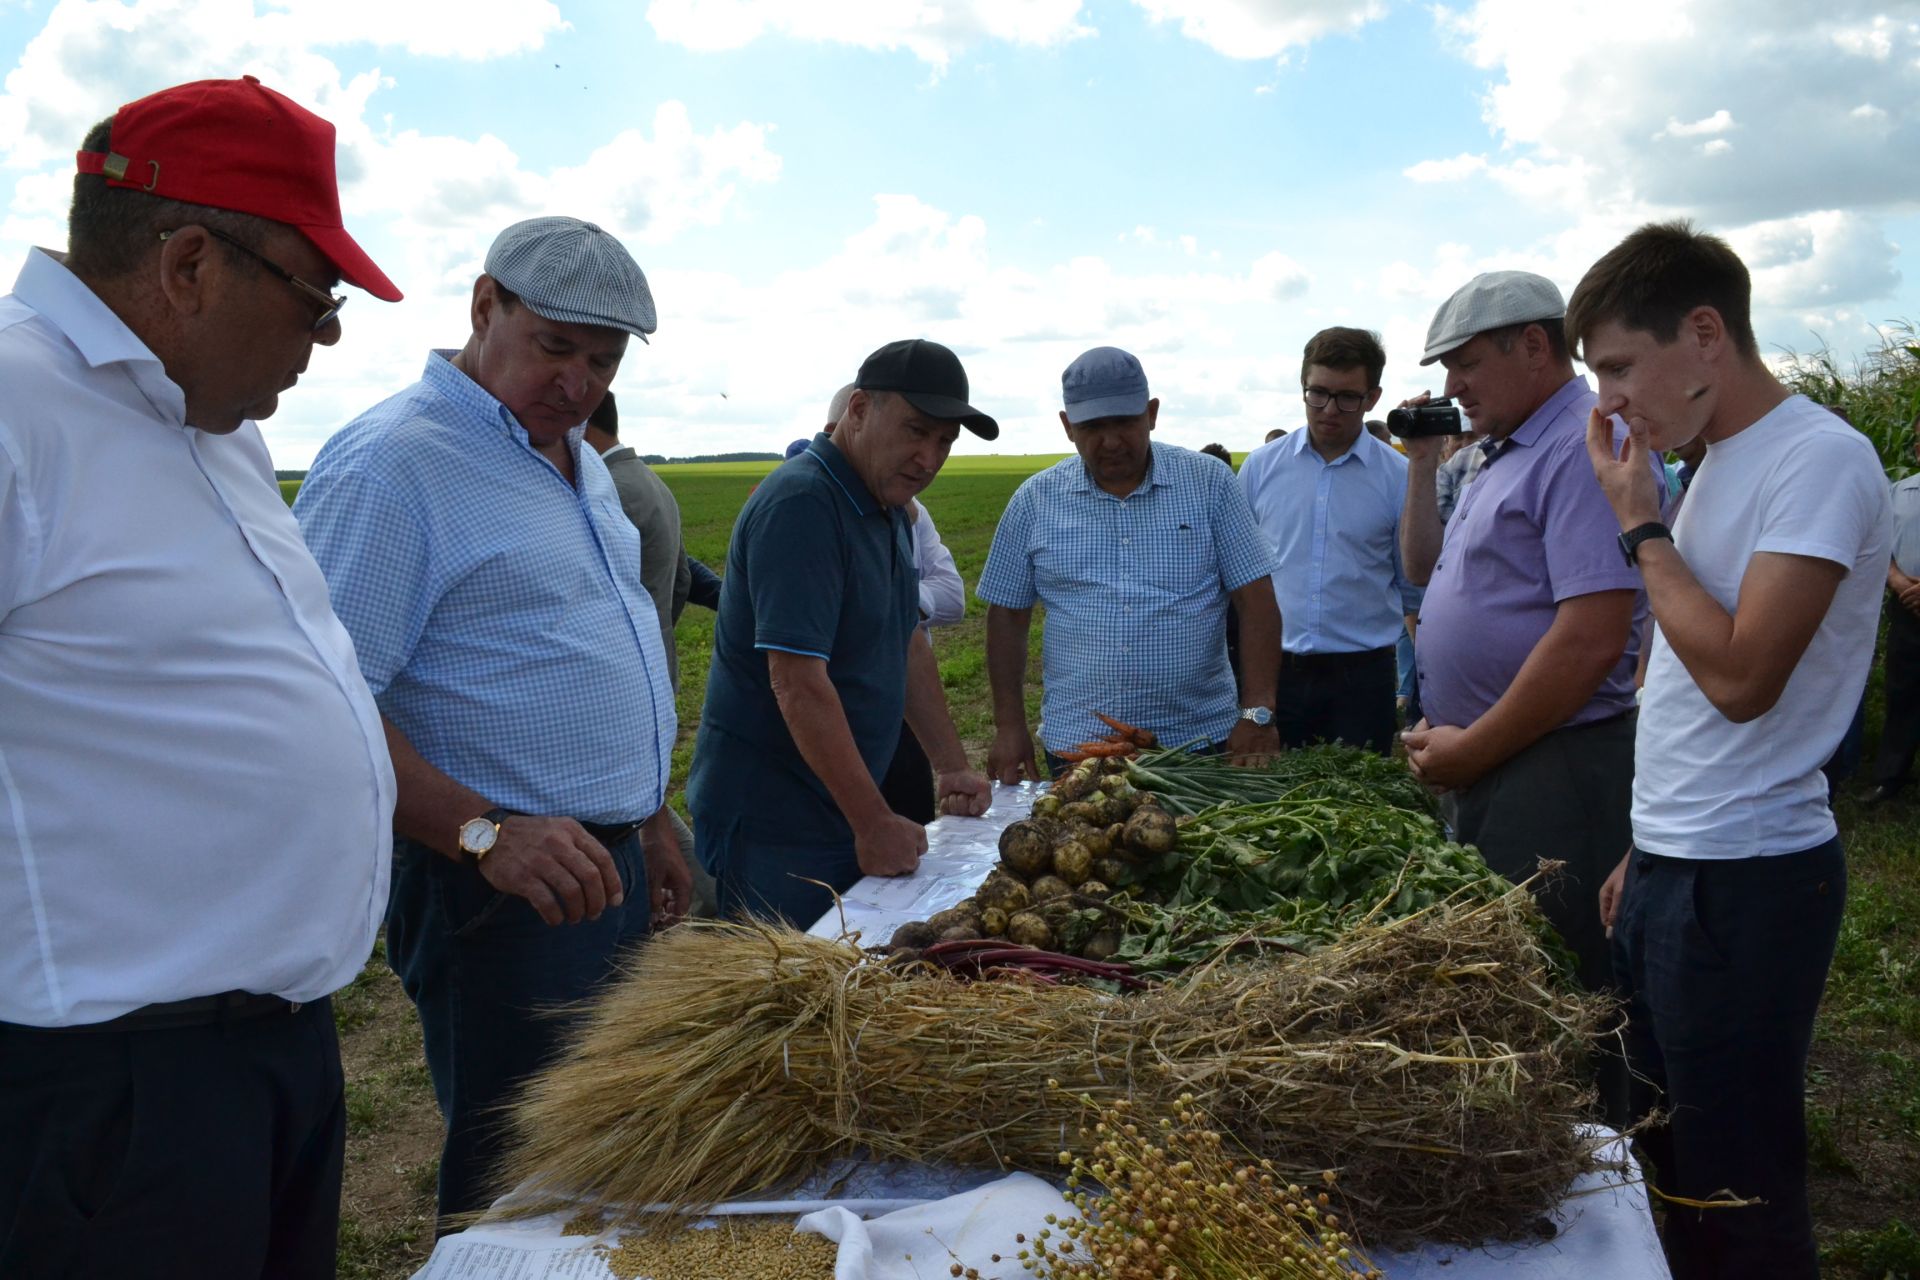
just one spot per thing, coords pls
(1091, 834)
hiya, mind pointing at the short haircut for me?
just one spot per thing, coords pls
(606, 416)
(1556, 330)
(1653, 278)
(837, 407)
(111, 230)
(1342, 348)
(1218, 451)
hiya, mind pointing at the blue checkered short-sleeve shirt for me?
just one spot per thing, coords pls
(497, 611)
(1135, 590)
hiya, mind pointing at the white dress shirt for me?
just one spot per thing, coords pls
(195, 794)
(943, 597)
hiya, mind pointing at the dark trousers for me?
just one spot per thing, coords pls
(489, 978)
(907, 785)
(1900, 736)
(1337, 697)
(210, 1151)
(1722, 962)
(795, 883)
(1567, 797)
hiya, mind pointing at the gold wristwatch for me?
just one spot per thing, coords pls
(477, 835)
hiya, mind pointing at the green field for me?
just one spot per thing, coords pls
(1864, 1099)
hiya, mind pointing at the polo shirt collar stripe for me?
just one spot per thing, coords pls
(828, 455)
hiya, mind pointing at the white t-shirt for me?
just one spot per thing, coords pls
(1802, 482)
(195, 795)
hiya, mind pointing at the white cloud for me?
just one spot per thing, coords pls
(1643, 87)
(1818, 259)
(934, 33)
(1461, 166)
(1719, 122)
(1262, 28)
(93, 55)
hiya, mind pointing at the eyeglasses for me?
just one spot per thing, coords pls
(1345, 401)
(328, 303)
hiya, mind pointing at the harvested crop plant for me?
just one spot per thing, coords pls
(1429, 1061)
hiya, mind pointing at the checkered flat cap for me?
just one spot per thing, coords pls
(1491, 301)
(573, 272)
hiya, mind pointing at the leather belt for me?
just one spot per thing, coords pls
(609, 834)
(1324, 661)
(200, 1011)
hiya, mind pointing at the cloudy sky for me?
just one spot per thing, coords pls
(1204, 182)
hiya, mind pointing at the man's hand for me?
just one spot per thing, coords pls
(1626, 477)
(1610, 894)
(890, 847)
(1440, 756)
(1911, 598)
(670, 881)
(1011, 755)
(1250, 745)
(963, 792)
(556, 866)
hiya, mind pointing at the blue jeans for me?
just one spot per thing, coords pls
(1722, 963)
(487, 976)
(776, 881)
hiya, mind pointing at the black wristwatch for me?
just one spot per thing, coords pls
(1630, 540)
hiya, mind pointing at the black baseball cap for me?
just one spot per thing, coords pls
(930, 378)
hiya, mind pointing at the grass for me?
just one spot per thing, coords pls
(1864, 1091)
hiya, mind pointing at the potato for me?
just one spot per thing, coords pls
(993, 922)
(1113, 871)
(1025, 849)
(1096, 841)
(1087, 811)
(1047, 806)
(1003, 892)
(1150, 831)
(1029, 930)
(1050, 887)
(1092, 889)
(1101, 945)
(1072, 862)
(914, 933)
(960, 933)
(952, 917)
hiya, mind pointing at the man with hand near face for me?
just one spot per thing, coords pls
(198, 805)
(476, 548)
(1329, 499)
(818, 655)
(1134, 547)
(1766, 597)
(1527, 633)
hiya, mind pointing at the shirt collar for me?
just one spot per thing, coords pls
(1358, 450)
(478, 403)
(101, 337)
(1529, 432)
(827, 454)
(1156, 476)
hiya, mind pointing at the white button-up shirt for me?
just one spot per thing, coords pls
(195, 795)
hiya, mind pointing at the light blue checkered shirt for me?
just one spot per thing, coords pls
(1135, 591)
(497, 611)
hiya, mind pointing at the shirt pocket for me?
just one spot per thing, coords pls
(1178, 556)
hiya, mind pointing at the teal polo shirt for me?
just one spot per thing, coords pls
(818, 567)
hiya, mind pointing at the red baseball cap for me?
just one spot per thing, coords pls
(238, 145)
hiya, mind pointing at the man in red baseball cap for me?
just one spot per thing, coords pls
(195, 852)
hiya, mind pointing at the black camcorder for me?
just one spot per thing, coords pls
(1435, 418)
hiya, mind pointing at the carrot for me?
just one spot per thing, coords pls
(1071, 757)
(1101, 750)
(1132, 733)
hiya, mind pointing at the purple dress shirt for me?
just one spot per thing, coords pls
(1532, 530)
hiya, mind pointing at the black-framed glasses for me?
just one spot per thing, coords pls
(328, 303)
(1345, 401)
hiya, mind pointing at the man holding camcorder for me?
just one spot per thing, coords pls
(1527, 634)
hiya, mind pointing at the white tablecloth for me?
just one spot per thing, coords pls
(888, 1217)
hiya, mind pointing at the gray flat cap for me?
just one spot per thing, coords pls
(573, 272)
(1491, 301)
